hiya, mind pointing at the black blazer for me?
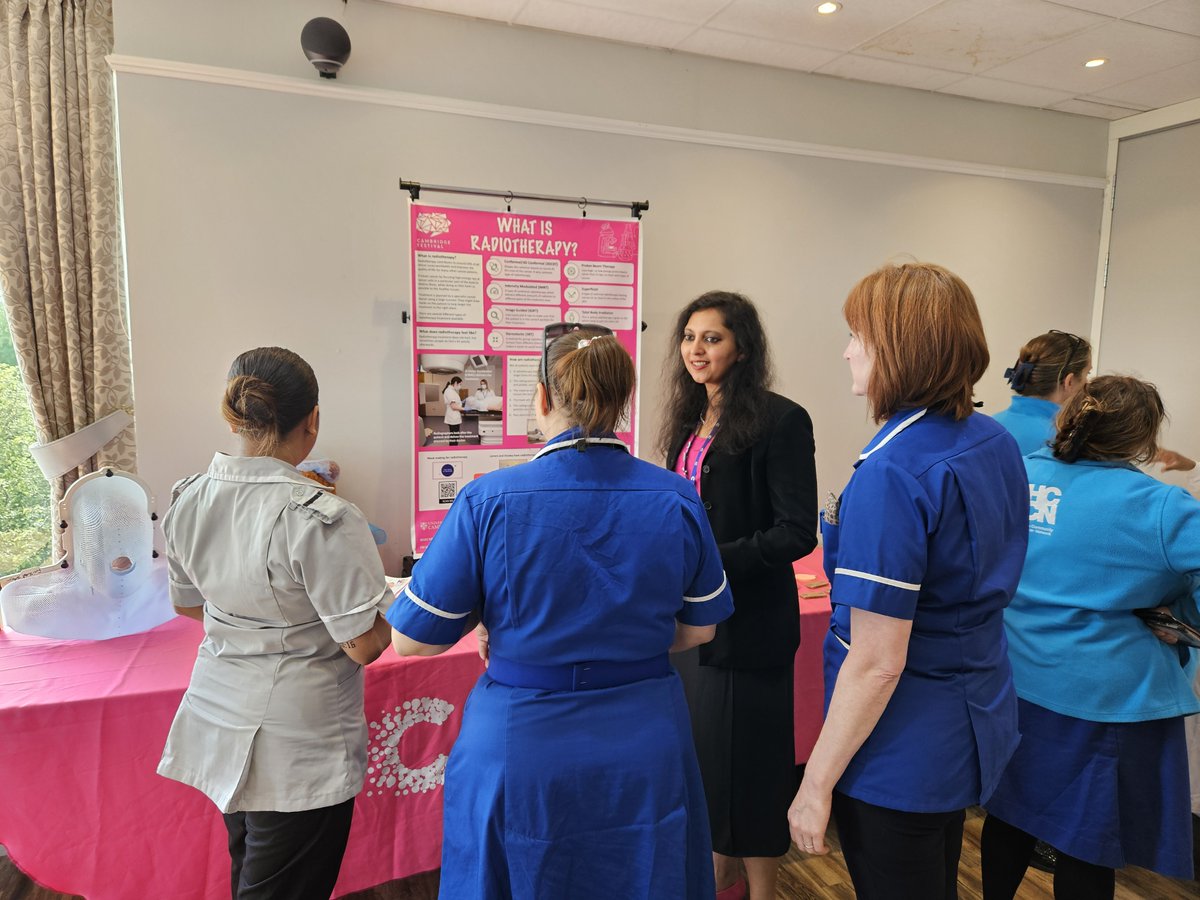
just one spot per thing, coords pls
(762, 505)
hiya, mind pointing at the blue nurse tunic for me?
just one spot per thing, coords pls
(932, 527)
(585, 553)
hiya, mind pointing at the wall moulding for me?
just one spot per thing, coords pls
(159, 68)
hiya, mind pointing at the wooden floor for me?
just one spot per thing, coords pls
(816, 878)
(802, 878)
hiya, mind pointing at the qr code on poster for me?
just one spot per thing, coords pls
(447, 490)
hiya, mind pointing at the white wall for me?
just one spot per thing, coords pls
(257, 216)
(1152, 304)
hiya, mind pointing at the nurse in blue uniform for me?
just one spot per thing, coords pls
(923, 552)
(1102, 770)
(574, 774)
(1050, 368)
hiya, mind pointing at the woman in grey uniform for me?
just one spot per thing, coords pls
(289, 586)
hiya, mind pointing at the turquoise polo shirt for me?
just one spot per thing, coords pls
(1104, 539)
(1030, 420)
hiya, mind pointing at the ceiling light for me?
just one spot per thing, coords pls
(1094, 63)
(828, 9)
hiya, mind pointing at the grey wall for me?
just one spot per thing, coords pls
(258, 217)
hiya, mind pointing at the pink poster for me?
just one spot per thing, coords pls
(484, 285)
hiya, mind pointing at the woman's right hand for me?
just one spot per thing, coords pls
(808, 819)
(481, 635)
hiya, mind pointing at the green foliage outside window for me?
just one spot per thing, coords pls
(8, 353)
(24, 492)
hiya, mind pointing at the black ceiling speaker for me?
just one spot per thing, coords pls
(326, 45)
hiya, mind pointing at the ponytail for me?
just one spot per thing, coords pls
(1070, 442)
(591, 380)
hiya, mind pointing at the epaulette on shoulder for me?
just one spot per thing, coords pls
(318, 504)
(181, 485)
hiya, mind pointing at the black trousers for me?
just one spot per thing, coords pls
(1006, 850)
(287, 856)
(894, 855)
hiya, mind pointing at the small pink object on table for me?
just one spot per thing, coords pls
(82, 726)
(809, 700)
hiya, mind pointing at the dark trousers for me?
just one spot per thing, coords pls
(1006, 850)
(895, 855)
(454, 434)
(287, 856)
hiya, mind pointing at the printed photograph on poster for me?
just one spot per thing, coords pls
(460, 400)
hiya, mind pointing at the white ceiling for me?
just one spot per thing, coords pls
(1028, 52)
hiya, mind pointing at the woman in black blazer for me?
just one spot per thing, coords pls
(749, 452)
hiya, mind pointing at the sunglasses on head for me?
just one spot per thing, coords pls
(1076, 343)
(552, 333)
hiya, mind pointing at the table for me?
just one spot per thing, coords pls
(809, 694)
(82, 725)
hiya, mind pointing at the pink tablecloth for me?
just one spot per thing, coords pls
(82, 725)
(809, 708)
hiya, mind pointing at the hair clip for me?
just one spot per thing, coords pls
(583, 342)
(1081, 431)
(1018, 375)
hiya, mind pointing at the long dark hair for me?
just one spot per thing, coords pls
(743, 391)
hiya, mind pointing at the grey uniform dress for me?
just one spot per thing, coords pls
(273, 717)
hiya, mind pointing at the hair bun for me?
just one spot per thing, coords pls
(269, 392)
(252, 402)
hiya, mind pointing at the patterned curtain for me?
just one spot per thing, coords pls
(60, 249)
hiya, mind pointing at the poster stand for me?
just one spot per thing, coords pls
(484, 284)
(414, 188)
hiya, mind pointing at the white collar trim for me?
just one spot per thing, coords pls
(895, 431)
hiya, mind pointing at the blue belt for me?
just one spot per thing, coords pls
(584, 676)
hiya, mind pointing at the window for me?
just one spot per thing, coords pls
(25, 520)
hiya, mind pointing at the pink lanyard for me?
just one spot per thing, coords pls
(694, 474)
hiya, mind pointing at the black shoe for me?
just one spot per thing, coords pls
(1044, 857)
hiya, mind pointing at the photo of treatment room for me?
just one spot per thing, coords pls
(460, 400)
